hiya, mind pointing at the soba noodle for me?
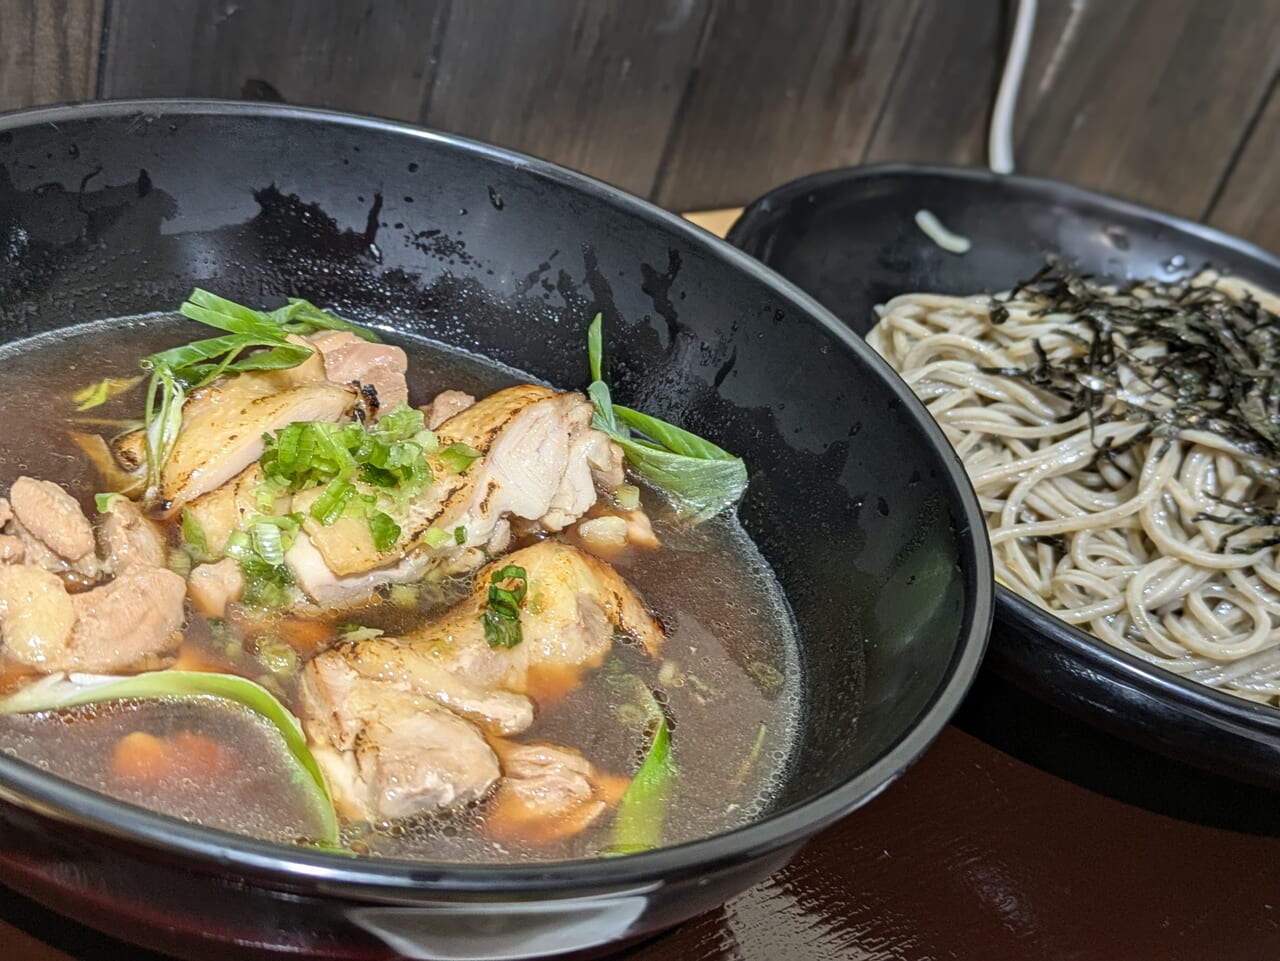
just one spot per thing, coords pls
(1104, 512)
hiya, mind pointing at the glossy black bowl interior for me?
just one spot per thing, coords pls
(849, 238)
(855, 498)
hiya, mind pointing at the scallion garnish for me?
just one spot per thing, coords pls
(501, 618)
(458, 457)
(701, 478)
(254, 340)
(388, 456)
(194, 538)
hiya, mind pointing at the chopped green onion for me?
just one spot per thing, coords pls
(385, 530)
(435, 537)
(103, 501)
(354, 632)
(458, 457)
(701, 478)
(194, 538)
(501, 618)
(627, 496)
(56, 692)
(459, 535)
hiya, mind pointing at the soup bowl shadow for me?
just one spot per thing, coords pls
(855, 499)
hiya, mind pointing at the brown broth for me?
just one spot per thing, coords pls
(729, 677)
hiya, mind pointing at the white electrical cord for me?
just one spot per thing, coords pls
(1000, 136)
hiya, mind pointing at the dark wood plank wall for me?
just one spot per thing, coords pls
(706, 103)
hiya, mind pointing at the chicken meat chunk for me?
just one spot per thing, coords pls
(223, 427)
(539, 462)
(390, 753)
(574, 605)
(548, 792)
(109, 628)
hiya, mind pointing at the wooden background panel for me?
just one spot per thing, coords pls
(49, 51)
(1147, 100)
(1248, 203)
(940, 103)
(708, 103)
(590, 84)
(372, 57)
(777, 94)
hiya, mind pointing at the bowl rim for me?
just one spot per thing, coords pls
(217, 851)
(1012, 609)
(756, 213)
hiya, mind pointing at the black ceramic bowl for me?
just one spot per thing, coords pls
(855, 498)
(849, 238)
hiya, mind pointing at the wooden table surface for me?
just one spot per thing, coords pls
(1021, 834)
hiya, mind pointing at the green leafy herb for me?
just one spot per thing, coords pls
(501, 618)
(254, 340)
(260, 551)
(387, 456)
(642, 812)
(56, 692)
(95, 395)
(435, 537)
(701, 478)
(194, 538)
(103, 501)
(458, 457)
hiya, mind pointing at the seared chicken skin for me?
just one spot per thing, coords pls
(540, 461)
(223, 426)
(387, 752)
(574, 605)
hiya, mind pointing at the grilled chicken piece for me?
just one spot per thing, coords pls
(575, 603)
(548, 793)
(130, 537)
(52, 516)
(231, 507)
(313, 574)
(538, 458)
(223, 426)
(350, 359)
(212, 587)
(445, 405)
(401, 667)
(386, 752)
(109, 628)
(53, 532)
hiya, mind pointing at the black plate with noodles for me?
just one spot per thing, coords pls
(1115, 403)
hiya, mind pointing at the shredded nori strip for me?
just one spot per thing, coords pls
(1216, 370)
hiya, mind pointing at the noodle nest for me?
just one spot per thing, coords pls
(1145, 536)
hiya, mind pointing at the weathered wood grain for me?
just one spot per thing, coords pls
(1248, 201)
(589, 84)
(1146, 100)
(778, 93)
(373, 57)
(940, 102)
(48, 51)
